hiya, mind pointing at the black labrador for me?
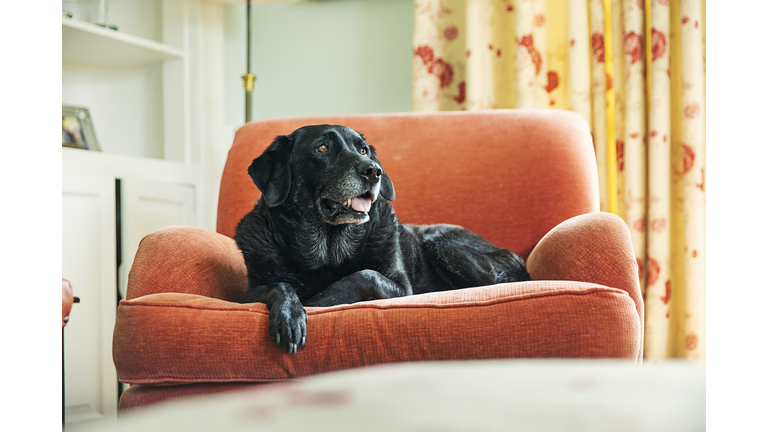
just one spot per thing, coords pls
(324, 233)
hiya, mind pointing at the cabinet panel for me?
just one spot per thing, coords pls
(148, 206)
(88, 261)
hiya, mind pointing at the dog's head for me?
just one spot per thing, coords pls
(331, 168)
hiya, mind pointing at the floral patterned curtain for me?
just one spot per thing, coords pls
(635, 70)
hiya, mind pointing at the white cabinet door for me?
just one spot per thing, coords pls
(148, 206)
(89, 262)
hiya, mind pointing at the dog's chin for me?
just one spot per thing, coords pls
(349, 219)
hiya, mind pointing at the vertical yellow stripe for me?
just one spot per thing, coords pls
(648, 59)
(591, 87)
(610, 113)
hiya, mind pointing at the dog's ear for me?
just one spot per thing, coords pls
(271, 172)
(387, 189)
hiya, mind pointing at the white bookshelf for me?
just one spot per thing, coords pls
(91, 44)
(136, 80)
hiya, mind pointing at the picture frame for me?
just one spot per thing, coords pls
(77, 128)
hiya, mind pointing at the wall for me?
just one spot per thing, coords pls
(320, 57)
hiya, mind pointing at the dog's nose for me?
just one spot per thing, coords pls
(370, 171)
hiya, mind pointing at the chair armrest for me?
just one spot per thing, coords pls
(67, 298)
(593, 247)
(188, 260)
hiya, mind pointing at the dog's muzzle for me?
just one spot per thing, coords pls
(354, 207)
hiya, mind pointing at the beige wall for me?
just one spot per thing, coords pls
(321, 57)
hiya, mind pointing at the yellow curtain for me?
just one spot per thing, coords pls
(635, 70)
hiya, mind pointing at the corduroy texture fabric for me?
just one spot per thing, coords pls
(507, 175)
(210, 340)
(594, 247)
(188, 260)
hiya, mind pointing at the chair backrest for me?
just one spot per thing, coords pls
(507, 175)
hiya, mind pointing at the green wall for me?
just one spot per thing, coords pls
(321, 57)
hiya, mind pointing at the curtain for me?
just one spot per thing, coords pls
(635, 70)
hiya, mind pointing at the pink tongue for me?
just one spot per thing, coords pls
(361, 204)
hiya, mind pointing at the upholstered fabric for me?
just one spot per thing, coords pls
(67, 298)
(524, 179)
(508, 175)
(210, 340)
(188, 260)
(594, 247)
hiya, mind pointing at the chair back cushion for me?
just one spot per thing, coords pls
(507, 175)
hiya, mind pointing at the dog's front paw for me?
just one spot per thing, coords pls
(288, 326)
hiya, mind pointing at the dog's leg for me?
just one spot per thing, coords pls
(358, 286)
(287, 317)
(464, 259)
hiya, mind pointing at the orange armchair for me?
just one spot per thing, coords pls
(525, 180)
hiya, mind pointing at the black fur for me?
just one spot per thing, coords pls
(303, 246)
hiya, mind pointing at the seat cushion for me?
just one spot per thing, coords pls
(174, 338)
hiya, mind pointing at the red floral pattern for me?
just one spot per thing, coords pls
(692, 111)
(658, 44)
(462, 96)
(437, 67)
(633, 46)
(536, 59)
(668, 289)
(598, 47)
(451, 33)
(527, 42)
(688, 157)
(442, 70)
(653, 271)
(444, 10)
(691, 341)
(552, 81)
(620, 154)
(426, 54)
(639, 225)
(658, 225)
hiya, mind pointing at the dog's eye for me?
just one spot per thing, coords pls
(323, 148)
(363, 151)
